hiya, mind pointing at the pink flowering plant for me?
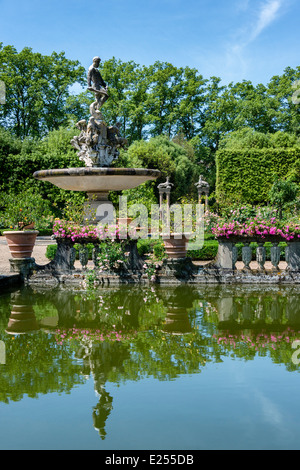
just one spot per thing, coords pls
(77, 233)
(64, 230)
(255, 223)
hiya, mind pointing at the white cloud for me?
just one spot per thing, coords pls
(267, 14)
(257, 19)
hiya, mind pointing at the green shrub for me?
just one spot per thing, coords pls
(51, 251)
(159, 250)
(148, 246)
(247, 175)
(207, 252)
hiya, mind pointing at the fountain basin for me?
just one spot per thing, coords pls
(97, 180)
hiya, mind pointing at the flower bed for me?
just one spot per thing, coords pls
(76, 233)
(256, 229)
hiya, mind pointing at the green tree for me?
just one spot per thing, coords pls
(37, 87)
(127, 88)
(167, 156)
(287, 112)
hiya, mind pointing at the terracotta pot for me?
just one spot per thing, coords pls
(124, 221)
(175, 247)
(21, 243)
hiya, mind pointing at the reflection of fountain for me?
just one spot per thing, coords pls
(22, 318)
(98, 145)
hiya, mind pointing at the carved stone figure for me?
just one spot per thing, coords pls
(166, 184)
(97, 144)
(99, 87)
(113, 135)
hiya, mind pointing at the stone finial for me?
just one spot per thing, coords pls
(166, 185)
(201, 184)
(203, 188)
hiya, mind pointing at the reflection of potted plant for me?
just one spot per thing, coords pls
(20, 214)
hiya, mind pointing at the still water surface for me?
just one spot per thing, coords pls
(177, 368)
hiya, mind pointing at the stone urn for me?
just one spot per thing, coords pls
(21, 243)
(175, 245)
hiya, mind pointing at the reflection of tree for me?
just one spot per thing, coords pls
(35, 365)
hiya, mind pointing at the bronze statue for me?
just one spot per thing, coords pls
(99, 87)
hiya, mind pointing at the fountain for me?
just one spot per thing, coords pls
(98, 145)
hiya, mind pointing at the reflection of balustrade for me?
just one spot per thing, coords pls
(227, 256)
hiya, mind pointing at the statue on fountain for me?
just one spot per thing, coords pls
(97, 144)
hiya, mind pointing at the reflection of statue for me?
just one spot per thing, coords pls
(101, 412)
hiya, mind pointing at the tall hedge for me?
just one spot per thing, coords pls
(247, 175)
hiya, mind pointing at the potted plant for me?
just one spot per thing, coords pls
(19, 215)
(174, 238)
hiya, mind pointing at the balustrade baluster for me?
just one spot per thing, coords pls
(226, 257)
(84, 256)
(275, 256)
(261, 256)
(293, 256)
(96, 252)
(247, 256)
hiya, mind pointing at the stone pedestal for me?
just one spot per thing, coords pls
(22, 266)
(226, 257)
(100, 209)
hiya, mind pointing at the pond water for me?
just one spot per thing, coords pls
(177, 368)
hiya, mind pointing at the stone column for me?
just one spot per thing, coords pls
(65, 257)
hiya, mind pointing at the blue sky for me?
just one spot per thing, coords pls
(230, 39)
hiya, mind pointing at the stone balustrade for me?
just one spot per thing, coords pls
(228, 253)
(66, 256)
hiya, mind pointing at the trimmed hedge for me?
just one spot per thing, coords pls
(248, 175)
